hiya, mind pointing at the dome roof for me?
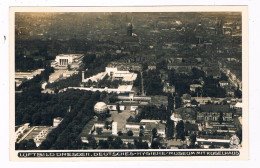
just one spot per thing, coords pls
(100, 107)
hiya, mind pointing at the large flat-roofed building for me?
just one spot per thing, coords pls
(114, 73)
(194, 87)
(57, 121)
(20, 77)
(65, 60)
(39, 134)
(28, 75)
(94, 78)
(126, 66)
(60, 74)
(19, 131)
(120, 89)
(124, 75)
(218, 141)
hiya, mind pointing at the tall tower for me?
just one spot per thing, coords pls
(83, 76)
(114, 128)
(129, 29)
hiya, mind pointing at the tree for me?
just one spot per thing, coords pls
(180, 130)
(109, 139)
(102, 117)
(223, 77)
(113, 98)
(140, 144)
(36, 119)
(119, 133)
(161, 65)
(45, 145)
(117, 144)
(69, 67)
(193, 138)
(194, 102)
(22, 145)
(220, 118)
(26, 145)
(130, 133)
(155, 145)
(118, 107)
(152, 80)
(130, 119)
(212, 146)
(182, 136)
(144, 66)
(178, 102)
(239, 134)
(238, 93)
(106, 124)
(31, 145)
(169, 128)
(103, 144)
(130, 146)
(92, 142)
(196, 73)
(154, 132)
(99, 131)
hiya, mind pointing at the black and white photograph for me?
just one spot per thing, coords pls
(129, 83)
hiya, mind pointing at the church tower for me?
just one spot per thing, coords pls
(129, 29)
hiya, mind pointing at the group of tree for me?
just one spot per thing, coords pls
(34, 84)
(106, 82)
(139, 144)
(68, 135)
(137, 83)
(88, 59)
(193, 139)
(152, 112)
(41, 109)
(170, 128)
(112, 98)
(25, 145)
(152, 82)
(182, 83)
(220, 118)
(238, 93)
(24, 64)
(72, 81)
(110, 143)
(180, 130)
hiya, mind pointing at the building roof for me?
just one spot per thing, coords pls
(191, 127)
(195, 85)
(223, 81)
(133, 123)
(215, 108)
(150, 126)
(186, 96)
(239, 105)
(58, 118)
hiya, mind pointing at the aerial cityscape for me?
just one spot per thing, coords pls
(121, 80)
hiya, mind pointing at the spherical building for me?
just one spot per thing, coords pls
(100, 108)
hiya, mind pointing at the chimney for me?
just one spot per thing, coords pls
(83, 76)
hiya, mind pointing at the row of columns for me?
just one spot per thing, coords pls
(63, 61)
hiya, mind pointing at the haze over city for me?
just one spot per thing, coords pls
(128, 80)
